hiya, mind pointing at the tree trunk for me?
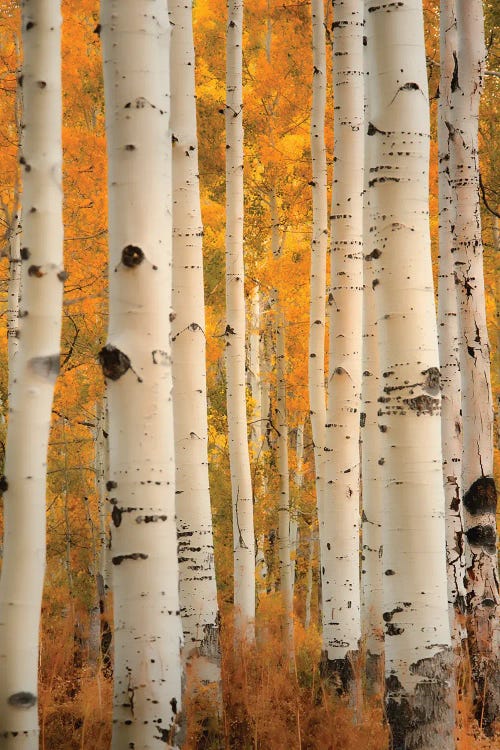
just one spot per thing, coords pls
(417, 633)
(478, 484)
(136, 362)
(198, 591)
(316, 362)
(241, 484)
(24, 483)
(341, 592)
(448, 332)
(372, 625)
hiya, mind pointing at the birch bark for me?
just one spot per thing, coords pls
(198, 591)
(448, 331)
(136, 362)
(316, 362)
(417, 634)
(478, 484)
(23, 485)
(241, 483)
(341, 592)
(372, 625)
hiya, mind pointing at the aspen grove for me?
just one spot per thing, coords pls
(250, 393)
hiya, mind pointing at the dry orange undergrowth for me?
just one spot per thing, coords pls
(268, 703)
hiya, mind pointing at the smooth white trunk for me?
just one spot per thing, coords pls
(36, 369)
(241, 484)
(198, 591)
(284, 540)
(417, 633)
(372, 626)
(478, 484)
(136, 362)
(448, 332)
(341, 591)
(316, 361)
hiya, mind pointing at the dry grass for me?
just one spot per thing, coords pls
(269, 702)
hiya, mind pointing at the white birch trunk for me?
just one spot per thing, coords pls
(198, 590)
(256, 429)
(136, 362)
(299, 482)
(478, 484)
(448, 332)
(341, 591)
(14, 298)
(24, 483)
(104, 584)
(309, 579)
(284, 541)
(316, 362)
(372, 626)
(417, 634)
(241, 483)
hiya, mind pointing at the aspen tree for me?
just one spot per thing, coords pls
(448, 331)
(36, 370)
(417, 634)
(241, 483)
(281, 427)
(316, 362)
(284, 545)
(371, 518)
(478, 484)
(340, 561)
(198, 591)
(136, 362)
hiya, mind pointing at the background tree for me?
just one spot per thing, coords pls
(36, 370)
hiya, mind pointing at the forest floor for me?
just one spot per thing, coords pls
(268, 704)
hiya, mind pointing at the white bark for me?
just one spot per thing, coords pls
(417, 634)
(341, 592)
(284, 545)
(36, 370)
(256, 429)
(316, 362)
(241, 484)
(478, 484)
(137, 364)
(448, 331)
(371, 557)
(104, 584)
(14, 298)
(198, 591)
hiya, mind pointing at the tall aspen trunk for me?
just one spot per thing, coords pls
(104, 583)
(284, 545)
(417, 633)
(448, 332)
(35, 373)
(256, 429)
(316, 361)
(241, 483)
(478, 484)
(136, 362)
(14, 299)
(372, 624)
(341, 592)
(198, 590)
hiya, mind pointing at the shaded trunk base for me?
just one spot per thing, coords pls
(339, 674)
(374, 675)
(423, 720)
